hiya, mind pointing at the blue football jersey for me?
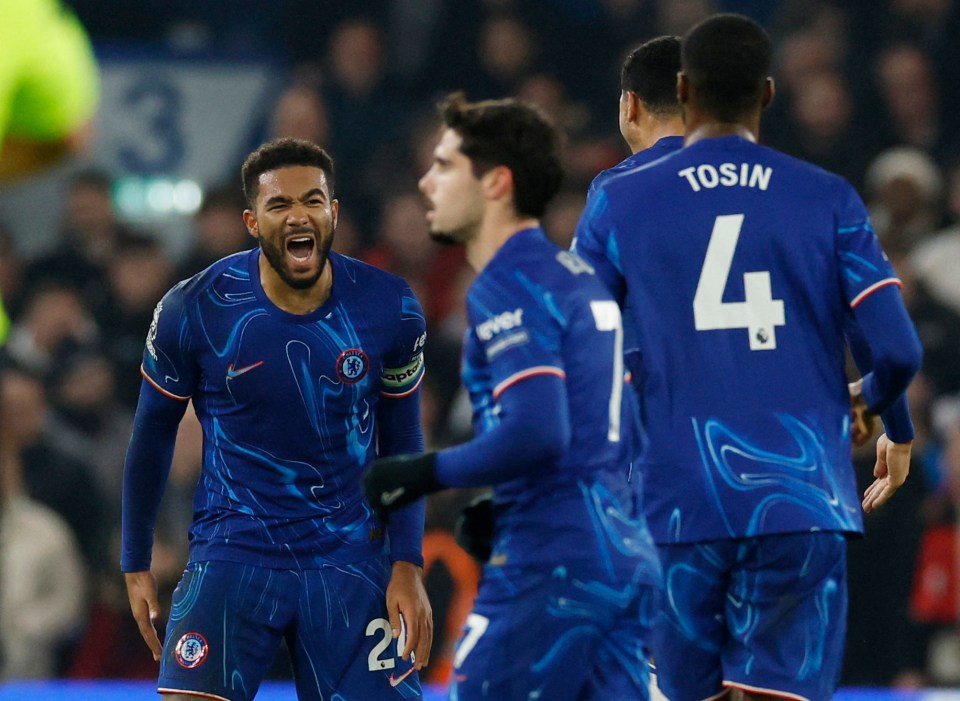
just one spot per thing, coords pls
(739, 264)
(288, 405)
(536, 309)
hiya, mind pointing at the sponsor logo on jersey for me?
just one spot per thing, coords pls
(501, 322)
(352, 365)
(398, 377)
(191, 650)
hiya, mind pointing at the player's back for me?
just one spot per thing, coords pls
(740, 263)
(536, 309)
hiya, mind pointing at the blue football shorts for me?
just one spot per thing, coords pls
(227, 621)
(765, 614)
(560, 635)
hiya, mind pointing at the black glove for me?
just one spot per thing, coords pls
(398, 480)
(474, 530)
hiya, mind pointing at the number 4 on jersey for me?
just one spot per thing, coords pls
(759, 313)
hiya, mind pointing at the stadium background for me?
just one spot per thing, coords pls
(866, 88)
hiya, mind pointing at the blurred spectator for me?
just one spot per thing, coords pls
(301, 113)
(936, 587)
(937, 325)
(53, 315)
(507, 54)
(911, 96)
(218, 230)
(41, 571)
(138, 275)
(405, 248)
(90, 233)
(820, 124)
(86, 422)
(365, 116)
(48, 476)
(936, 258)
(904, 188)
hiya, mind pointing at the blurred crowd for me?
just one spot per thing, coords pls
(866, 88)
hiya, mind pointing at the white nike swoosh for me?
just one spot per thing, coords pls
(387, 498)
(394, 681)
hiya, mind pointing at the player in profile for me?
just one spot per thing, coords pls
(743, 266)
(566, 597)
(302, 365)
(650, 118)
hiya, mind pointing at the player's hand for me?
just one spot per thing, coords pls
(862, 422)
(393, 482)
(474, 530)
(891, 470)
(142, 592)
(407, 597)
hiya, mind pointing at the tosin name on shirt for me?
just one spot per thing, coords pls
(708, 176)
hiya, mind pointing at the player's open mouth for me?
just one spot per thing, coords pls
(301, 247)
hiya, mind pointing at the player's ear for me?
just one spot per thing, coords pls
(768, 92)
(683, 88)
(629, 106)
(497, 182)
(335, 211)
(250, 219)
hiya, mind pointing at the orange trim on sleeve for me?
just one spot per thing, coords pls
(160, 389)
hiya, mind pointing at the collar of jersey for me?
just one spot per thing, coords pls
(254, 268)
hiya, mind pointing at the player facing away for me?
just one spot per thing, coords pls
(743, 267)
(566, 598)
(302, 365)
(649, 114)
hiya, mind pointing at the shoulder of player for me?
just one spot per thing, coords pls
(192, 287)
(365, 274)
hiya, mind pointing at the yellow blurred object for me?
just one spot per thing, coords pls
(49, 85)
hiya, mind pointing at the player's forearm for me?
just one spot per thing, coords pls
(145, 472)
(894, 348)
(405, 531)
(398, 426)
(399, 431)
(526, 440)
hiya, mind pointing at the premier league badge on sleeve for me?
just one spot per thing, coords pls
(191, 650)
(352, 365)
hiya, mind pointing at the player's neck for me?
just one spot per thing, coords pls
(653, 131)
(698, 130)
(293, 300)
(494, 233)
